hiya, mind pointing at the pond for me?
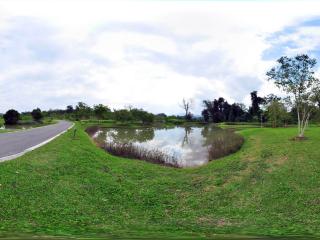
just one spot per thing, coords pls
(176, 147)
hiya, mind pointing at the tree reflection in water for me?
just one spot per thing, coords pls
(184, 146)
(187, 132)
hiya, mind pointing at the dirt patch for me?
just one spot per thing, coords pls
(297, 138)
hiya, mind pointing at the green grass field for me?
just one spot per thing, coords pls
(72, 188)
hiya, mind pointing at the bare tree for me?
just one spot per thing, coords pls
(187, 105)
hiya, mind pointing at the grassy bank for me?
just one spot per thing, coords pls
(71, 187)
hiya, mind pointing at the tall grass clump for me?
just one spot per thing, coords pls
(129, 150)
(224, 143)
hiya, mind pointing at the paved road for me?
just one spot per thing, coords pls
(15, 144)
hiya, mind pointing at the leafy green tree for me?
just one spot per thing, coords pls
(316, 95)
(295, 75)
(123, 115)
(141, 115)
(147, 118)
(11, 117)
(276, 112)
(101, 111)
(83, 111)
(36, 114)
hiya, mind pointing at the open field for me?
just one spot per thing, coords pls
(71, 187)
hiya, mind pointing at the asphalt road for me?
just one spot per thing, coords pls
(15, 144)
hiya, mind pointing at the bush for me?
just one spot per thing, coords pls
(11, 117)
(36, 114)
(141, 115)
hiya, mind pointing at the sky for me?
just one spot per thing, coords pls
(147, 54)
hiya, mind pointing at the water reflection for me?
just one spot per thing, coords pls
(190, 146)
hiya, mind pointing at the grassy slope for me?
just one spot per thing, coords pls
(270, 187)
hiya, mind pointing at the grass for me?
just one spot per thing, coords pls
(72, 188)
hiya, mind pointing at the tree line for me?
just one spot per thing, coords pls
(269, 108)
(83, 111)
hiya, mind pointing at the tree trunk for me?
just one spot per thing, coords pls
(299, 123)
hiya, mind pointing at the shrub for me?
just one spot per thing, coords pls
(36, 114)
(11, 117)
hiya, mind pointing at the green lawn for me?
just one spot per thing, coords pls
(70, 187)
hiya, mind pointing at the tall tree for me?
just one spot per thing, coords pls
(256, 101)
(83, 110)
(69, 109)
(101, 111)
(220, 110)
(295, 75)
(205, 115)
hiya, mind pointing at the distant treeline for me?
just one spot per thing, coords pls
(82, 111)
(271, 108)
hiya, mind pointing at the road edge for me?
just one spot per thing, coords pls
(14, 156)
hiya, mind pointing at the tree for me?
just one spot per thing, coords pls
(69, 109)
(141, 115)
(316, 95)
(276, 112)
(256, 101)
(83, 110)
(295, 76)
(270, 98)
(215, 109)
(123, 115)
(205, 115)
(36, 114)
(11, 117)
(220, 110)
(186, 105)
(147, 118)
(101, 111)
(209, 110)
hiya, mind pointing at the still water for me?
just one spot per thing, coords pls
(190, 146)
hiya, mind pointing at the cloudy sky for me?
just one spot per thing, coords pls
(148, 54)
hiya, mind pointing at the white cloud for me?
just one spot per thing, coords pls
(148, 54)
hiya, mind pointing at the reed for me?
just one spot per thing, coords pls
(129, 150)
